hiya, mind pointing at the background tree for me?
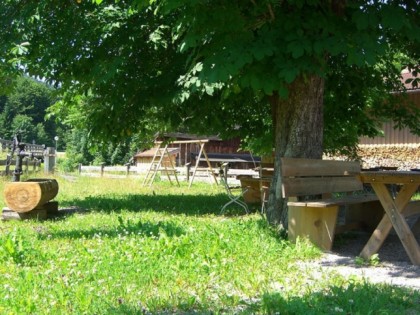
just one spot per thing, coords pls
(222, 65)
(24, 108)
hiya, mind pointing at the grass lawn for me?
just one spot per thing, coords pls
(166, 250)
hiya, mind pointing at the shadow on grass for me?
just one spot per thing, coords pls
(174, 204)
(139, 227)
(351, 299)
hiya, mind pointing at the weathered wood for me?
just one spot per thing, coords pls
(323, 203)
(383, 177)
(303, 186)
(316, 218)
(394, 218)
(185, 141)
(314, 167)
(318, 225)
(28, 195)
(253, 188)
(46, 211)
(36, 214)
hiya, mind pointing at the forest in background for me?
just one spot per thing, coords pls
(25, 110)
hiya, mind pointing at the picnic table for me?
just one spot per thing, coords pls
(395, 205)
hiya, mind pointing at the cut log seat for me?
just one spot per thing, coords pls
(28, 195)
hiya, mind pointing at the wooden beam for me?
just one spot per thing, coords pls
(184, 141)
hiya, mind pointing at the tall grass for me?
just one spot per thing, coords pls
(121, 248)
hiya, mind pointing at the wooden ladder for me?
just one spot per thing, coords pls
(210, 169)
(156, 166)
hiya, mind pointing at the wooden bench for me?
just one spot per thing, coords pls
(309, 186)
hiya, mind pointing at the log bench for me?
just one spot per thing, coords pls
(315, 189)
(30, 199)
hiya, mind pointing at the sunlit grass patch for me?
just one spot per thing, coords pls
(164, 250)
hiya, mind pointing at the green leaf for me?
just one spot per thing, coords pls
(361, 19)
(296, 48)
(209, 89)
(393, 17)
(289, 74)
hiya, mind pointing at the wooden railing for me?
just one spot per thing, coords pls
(29, 166)
(36, 149)
(102, 170)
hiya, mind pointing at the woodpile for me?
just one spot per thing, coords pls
(402, 157)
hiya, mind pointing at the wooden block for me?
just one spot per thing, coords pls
(51, 208)
(46, 211)
(316, 224)
(36, 214)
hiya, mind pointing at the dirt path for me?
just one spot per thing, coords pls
(394, 265)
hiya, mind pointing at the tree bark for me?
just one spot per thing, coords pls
(298, 129)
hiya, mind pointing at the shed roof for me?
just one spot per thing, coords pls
(151, 152)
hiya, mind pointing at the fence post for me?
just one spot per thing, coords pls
(102, 169)
(8, 162)
(128, 169)
(49, 160)
(80, 168)
(27, 166)
(225, 167)
(188, 166)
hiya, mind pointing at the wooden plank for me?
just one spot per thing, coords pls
(185, 141)
(318, 185)
(323, 203)
(36, 214)
(390, 177)
(398, 222)
(313, 167)
(318, 225)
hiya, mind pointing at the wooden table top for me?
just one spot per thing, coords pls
(390, 177)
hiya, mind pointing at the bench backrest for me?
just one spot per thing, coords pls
(301, 177)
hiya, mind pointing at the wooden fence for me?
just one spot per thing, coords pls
(109, 171)
(36, 149)
(129, 170)
(29, 166)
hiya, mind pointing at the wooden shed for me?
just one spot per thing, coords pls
(143, 159)
(392, 136)
(215, 147)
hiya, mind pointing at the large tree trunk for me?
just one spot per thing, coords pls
(298, 127)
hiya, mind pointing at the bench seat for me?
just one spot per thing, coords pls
(341, 201)
(317, 219)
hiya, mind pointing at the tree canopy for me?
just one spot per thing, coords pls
(271, 71)
(23, 110)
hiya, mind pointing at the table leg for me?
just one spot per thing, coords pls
(393, 218)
